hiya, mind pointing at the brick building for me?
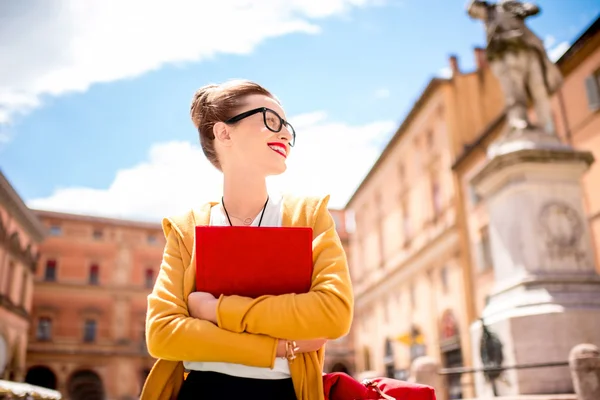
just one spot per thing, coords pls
(87, 337)
(20, 235)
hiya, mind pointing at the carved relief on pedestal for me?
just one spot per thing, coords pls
(562, 229)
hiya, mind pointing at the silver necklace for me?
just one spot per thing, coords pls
(245, 221)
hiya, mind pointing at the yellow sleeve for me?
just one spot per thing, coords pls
(324, 312)
(171, 333)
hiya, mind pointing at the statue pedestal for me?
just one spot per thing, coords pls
(546, 297)
(526, 139)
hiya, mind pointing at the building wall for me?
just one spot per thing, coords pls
(125, 256)
(578, 121)
(405, 253)
(20, 234)
(339, 354)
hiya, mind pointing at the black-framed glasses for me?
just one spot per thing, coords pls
(271, 119)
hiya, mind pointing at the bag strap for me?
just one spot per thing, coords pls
(372, 385)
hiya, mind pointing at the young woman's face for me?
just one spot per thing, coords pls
(259, 138)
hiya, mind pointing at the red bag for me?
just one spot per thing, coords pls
(340, 386)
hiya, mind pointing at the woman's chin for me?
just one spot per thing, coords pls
(278, 170)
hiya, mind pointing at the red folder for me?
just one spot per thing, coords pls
(253, 261)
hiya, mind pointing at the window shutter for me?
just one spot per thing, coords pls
(593, 92)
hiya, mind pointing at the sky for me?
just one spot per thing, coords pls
(95, 95)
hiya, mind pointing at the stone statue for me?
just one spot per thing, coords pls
(519, 60)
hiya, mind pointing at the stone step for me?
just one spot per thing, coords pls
(531, 397)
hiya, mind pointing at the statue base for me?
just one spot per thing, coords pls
(528, 138)
(546, 296)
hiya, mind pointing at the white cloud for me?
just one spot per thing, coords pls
(557, 51)
(56, 47)
(445, 72)
(329, 158)
(549, 41)
(382, 93)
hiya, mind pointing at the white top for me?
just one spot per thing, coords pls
(281, 370)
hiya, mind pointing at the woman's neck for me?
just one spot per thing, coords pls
(244, 196)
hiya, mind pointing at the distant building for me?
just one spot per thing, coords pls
(20, 235)
(87, 338)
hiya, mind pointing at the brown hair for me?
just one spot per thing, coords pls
(216, 103)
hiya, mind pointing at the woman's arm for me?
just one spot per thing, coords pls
(324, 312)
(171, 333)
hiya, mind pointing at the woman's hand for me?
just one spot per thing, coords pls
(303, 346)
(203, 305)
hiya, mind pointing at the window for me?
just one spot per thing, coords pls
(9, 277)
(406, 222)
(151, 239)
(430, 140)
(486, 250)
(473, 196)
(350, 221)
(50, 271)
(401, 173)
(97, 234)
(24, 287)
(380, 228)
(55, 230)
(436, 198)
(44, 329)
(89, 331)
(149, 278)
(444, 278)
(94, 274)
(336, 220)
(417, 156)
(592, 89)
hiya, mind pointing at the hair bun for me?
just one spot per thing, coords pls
(201, 100)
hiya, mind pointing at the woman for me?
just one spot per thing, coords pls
(270, 347)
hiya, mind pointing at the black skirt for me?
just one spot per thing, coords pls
(205, 385)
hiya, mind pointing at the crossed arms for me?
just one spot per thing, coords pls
(248, 330)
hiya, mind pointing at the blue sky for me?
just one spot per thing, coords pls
(94, 100)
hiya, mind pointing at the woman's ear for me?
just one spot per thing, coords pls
(222, 133)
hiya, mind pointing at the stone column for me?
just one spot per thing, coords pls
(546, 297)
(585, 369)
(425, 370)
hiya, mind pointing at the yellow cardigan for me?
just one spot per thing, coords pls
(247, 328)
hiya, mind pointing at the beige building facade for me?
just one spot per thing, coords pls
(339, 354)
(405, 254)
(20, 236)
